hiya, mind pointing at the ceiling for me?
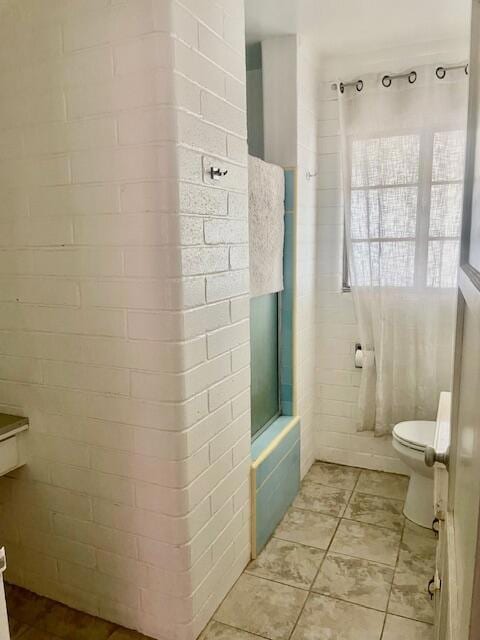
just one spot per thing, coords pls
(337, 27)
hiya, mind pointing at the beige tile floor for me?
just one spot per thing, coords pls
(343, 564)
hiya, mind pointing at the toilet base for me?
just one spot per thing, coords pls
(419, 501)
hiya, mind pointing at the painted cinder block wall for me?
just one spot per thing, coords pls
(336, 379)
(308, 82)
(123, 305)
(210, 76)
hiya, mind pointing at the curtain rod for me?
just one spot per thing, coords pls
(440, 72)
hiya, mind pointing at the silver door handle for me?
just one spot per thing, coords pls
(431, 456)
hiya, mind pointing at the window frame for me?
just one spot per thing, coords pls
(424, 186)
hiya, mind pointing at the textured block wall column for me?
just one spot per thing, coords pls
(123, 307)
(306, 245)
(210, 76)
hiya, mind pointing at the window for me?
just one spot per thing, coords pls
(406, 204)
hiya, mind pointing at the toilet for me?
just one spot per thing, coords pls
(409, 441)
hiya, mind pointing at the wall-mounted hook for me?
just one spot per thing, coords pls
(309, 175)
(216, 173)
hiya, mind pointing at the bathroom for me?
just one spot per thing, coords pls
(239, 320)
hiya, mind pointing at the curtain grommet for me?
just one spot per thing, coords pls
(412, 76)
(359, 85)
(440, 72)
(341, 87)
(386, 81)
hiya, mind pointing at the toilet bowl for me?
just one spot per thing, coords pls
(409, 441)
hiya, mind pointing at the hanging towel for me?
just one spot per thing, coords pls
(266, 210)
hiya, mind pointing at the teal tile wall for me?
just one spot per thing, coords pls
(264, 439)
(277, 478)
(276, 456)
(277, 484)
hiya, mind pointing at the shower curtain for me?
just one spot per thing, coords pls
(402, 171)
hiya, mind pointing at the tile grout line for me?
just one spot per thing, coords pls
(368, 524)
(230, 626)
(310, 592)
(371, 524)
(393, 577)
(367, 493)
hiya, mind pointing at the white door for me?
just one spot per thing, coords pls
(459, 613)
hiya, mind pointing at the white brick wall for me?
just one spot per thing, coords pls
(336, 379)
(123, 305)
(304, 330)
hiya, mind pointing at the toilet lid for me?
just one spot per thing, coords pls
(416, 434)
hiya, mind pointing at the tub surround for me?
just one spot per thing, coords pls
(275, 474)
(275, 477)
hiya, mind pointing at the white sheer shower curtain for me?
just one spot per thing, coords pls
(402, 170)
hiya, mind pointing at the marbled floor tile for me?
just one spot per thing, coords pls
(288, 562)
(415, 529)
(26, 607)
(327, 619)
(411, 601)
(416, 560)
(63, 622)
(366, 541)
(307, 527)
(355, 580)
(401, 629)
(318, 497)
(218, 631)
(262, 607)
(419, 544)
(416, 565)
(387, 485)
(333, 475)
(384, 512)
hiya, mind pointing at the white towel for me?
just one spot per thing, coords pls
(266, 210)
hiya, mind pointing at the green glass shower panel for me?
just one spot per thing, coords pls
(264, 360)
